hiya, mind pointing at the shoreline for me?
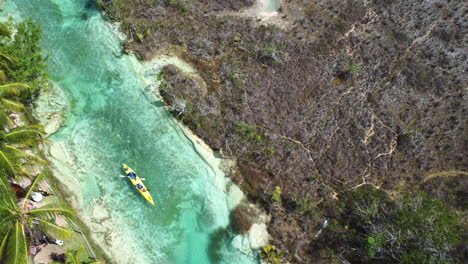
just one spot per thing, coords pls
(258, 235)
(53, 121)
(52, 114)
(62, 162)
(212, 158)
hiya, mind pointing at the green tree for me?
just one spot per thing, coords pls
(5, 31)
(371, 226)
(16, 220)
(8, 104)
(12, 141)
(21, 60)
(6, 61)
(12, 157)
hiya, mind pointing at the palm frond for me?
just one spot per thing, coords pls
(33, 185)
(17, 153)
(53, 229)
(16, 251)
(9, 90)
(5, 120)
(6, 193)
(10, 105)
(72, 257)
(5, 31)
(7, 220)
(4, 243)
(23, 133)
(5, 66)
(3, 184)
(12, 89)
(7, 163)
(5, 211)
(11, 60)
(3, 76)
(50, 211)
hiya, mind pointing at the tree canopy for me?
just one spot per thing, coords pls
(372, 227)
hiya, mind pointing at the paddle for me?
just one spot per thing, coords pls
(123, 176)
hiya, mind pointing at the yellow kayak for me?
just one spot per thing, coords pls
(138, 183)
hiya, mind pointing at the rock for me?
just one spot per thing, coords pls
(37, 197)
(100, 212)
(258, 235)
(25, 182)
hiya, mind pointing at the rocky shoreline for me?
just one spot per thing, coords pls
(246, 218)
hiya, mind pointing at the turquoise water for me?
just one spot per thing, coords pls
(111, 121)
(271, 5)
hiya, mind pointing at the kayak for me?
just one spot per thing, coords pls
(137, 181)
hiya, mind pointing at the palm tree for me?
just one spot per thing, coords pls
(5, 31)
(12, 158)
(8, 105)
(8, 90)
(7, 63)
(16, 219)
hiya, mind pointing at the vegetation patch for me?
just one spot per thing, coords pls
(409, 228)
(271, 254)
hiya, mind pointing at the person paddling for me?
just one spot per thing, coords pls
(141, 187)
(132, 175)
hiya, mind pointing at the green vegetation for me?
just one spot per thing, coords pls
(24, 62)
(141, 37)
(8, 104)
(276, 196)
(353, 68)
(251, 136)
(304, 205)
(13, 156)
(412, 228)
(271, 254)
(271, 54)
(21, 66)
(248, 133)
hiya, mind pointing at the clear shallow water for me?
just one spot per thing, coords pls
(271, 5)
(110, 122)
